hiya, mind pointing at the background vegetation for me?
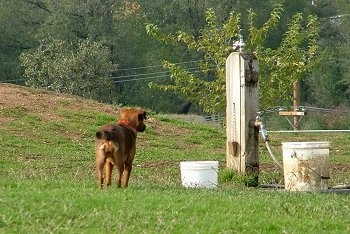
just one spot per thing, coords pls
(118, 28)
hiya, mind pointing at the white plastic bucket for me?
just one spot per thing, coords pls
(199, 174)
(306, 166)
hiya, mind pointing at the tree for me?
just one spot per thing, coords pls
(75, 49)
(139, 52)
(18, 23)
(328, 83)
(341, 21)
(82, 70)
(279, 67)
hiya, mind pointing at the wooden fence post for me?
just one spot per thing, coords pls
(241, 111)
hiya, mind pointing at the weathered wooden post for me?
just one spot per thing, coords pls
(296, 125)
(242, 129)
(296, 113)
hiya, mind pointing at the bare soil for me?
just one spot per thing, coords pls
(43, 102)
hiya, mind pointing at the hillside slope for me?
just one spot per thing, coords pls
(43, 102)
(48, 135)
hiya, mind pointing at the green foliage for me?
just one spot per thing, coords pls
(76, 20)
(208, 88)
(279, 67)
(258, 36)
(59, 66)
(288, 63)
(18, 24)
(119, 25)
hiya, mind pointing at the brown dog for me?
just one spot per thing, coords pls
(115, 145)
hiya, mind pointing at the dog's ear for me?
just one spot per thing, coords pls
(142, 114)
(121, 110)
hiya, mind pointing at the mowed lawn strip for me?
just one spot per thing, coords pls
(36, 206)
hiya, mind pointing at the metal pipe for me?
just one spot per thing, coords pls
(263, 130)
(272, 155)
(296, 104)
(307, 131)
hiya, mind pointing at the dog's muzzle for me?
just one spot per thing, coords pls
(141, 128)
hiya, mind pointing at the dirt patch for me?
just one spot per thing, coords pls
(161, 128)
(158, 164)
(44, 103)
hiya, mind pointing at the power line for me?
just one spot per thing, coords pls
(138, 79)
(147, 78)
(192, 69)
(137, 75)
(304, 108)
(153, 66)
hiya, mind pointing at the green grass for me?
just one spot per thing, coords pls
(48, 181)
(41, 206)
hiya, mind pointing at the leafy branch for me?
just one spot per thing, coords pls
(279, 67)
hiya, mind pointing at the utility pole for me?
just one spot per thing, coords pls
(296, 113)
(296, 118)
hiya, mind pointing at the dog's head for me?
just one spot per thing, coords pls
(133, 117)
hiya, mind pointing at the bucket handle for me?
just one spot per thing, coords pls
(217, 171)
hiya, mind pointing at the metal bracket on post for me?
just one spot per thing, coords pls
(239, 45)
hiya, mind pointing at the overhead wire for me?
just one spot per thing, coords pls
(133, 77)
(137, 75)
(153, 66)
(138, 79)
(151, 77)
(303, 108)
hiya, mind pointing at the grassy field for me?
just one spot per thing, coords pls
(48, 183)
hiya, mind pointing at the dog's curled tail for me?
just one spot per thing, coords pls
(108, 146)
(104, 135)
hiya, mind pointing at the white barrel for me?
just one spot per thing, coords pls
(199, 174)
(306, 166)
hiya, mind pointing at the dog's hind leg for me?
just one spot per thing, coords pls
(120, 169)
(109, 168)
(127, 172)
(100, 161)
